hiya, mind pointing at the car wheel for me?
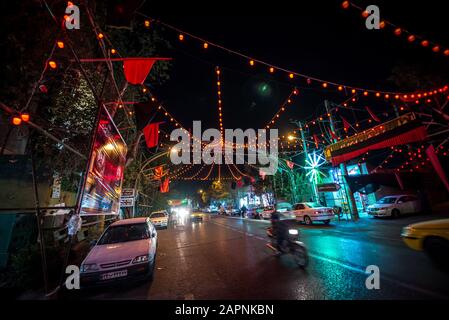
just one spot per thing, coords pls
(307, 220)
(395, 213)
(438, 251)
(326, 222)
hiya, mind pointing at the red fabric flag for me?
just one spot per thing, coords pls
(375, 118)
(346, 124)
(317, 141)
(333, 135)
(158, 172)
(290, 164)
(430, 151)
(165, 185)
(137, 69)
(151, 133)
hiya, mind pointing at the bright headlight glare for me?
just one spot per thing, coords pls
(293, 231)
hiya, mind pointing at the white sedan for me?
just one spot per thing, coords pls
(159, 219)
(394, 206)
(127, 249)
(309, 212)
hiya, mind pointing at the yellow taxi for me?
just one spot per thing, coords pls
(432, 237)
(196, 216)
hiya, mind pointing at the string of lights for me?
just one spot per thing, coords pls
(399, 31)
(272, 68)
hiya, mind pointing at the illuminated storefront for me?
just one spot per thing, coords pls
(339, 197)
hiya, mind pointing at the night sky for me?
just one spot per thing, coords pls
(322, 41)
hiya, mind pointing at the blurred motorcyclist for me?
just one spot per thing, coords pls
(279, 228)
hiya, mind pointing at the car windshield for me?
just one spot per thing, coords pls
(158, 215)
(387, 200)
(313, 205)
(124, 233)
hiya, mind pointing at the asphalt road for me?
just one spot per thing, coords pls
(227, 258)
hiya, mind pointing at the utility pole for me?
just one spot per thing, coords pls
(344, 171)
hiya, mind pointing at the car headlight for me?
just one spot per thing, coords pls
(89, 267)
(406, 231)
(293, 231)
(140, 259)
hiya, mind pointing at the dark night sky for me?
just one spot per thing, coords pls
(322, 40)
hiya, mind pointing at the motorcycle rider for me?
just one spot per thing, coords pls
(279, 228)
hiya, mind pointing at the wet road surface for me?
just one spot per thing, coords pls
(227, 258)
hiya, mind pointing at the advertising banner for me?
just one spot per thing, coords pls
(103, 186)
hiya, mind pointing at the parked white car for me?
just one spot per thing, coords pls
(310, 212)
(159, 219)
(395, 205)
(127, 249)
(266, 212)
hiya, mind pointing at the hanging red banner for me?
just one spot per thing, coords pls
(136, 69)
(372, 115)
(316, 140)
(346, 124)
(333, 135)
(165, 185)
(158, 172)
(151, 133)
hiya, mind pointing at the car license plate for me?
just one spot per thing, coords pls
(113, 275)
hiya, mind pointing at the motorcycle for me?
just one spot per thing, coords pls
(291, 246)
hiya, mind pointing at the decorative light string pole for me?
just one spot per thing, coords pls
(344, 171)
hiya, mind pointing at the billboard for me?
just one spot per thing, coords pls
(402, 130)
(103, 185)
